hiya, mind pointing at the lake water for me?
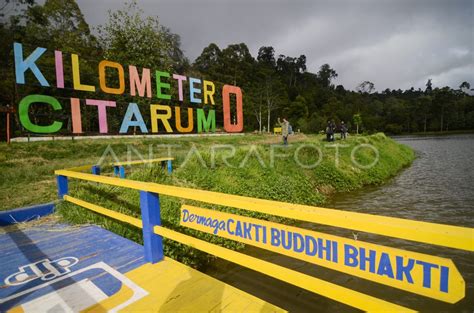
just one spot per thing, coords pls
(438, 187)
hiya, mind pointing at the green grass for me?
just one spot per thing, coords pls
(27, 176)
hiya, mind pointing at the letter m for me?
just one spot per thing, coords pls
(201, 220)
(206, 123)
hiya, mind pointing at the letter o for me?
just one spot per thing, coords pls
(102, 79)
(228, 126)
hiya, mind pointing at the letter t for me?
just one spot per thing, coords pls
(102, 111)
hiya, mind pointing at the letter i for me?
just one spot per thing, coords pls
(58, 57)
(444, 279)
(334, 251)
(264, 234)
(76, 116)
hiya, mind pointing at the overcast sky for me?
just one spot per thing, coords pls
(394, 44)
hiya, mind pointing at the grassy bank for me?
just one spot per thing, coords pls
(251, 165)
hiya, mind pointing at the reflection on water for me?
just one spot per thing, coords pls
(438, 187)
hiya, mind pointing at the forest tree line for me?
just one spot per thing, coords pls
(273, 85)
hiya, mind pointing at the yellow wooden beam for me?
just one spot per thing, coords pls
(110, 213)
(438, 234)
(335, 292)
(141, 161)
(81, 168)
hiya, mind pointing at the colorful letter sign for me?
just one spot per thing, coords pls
(414, 272)
(114, 80)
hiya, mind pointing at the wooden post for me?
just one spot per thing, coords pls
(170, 167)
(63, 188)
(153, 243)
(7, 110)
(8, 127)
(95, 170)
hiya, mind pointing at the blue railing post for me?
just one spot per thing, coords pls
(153, 243)
(122, 172)
(170, 167)
(62, 186)
(96, 170)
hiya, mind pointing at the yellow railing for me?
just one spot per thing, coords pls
(135, 162)
(431, 233)
(318, 286)
(437, 234)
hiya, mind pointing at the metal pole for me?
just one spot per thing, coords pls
(8, 127)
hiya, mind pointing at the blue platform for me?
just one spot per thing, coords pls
(26, 214)
(38, 262)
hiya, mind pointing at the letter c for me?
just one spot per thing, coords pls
(23, 112)
(229, 221)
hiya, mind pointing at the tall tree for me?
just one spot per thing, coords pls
(55, 25)
(358, 121)
(209, 61)
(424, 103)
(274, 96)
(131, 38)
(237, 63)
(429, 86)
(365, 87)
(442, 104)
(325, 75)
(465, 85)
(291, 68)
(266, 57)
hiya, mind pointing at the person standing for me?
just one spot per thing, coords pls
(284, 130)
(343, 131)
(333, 130)
(328, 131)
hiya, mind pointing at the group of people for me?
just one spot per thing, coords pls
(331, 129)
